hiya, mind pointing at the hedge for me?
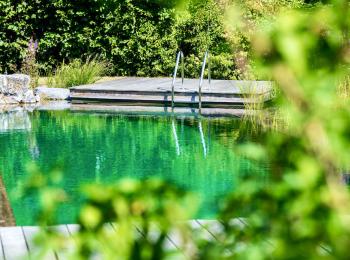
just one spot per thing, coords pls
(138, 37)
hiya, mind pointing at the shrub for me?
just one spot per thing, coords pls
(138, 37)
(303, 212)
(78, 73)
(29, 65)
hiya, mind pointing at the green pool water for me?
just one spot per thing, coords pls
(196, 155)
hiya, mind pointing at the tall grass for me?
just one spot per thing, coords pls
(78, 72)
(259, 116)
(344, 88)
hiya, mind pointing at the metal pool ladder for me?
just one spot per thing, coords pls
(205, 60)
(180, 56)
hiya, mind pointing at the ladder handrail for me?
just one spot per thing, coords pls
(206, 57)
(180, 56)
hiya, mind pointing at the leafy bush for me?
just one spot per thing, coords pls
(137, 37)
(304, 211)
(78, 73)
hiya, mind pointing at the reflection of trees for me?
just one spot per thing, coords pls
(6, 214)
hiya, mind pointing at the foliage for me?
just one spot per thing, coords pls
(243, 20)
(14, 34)
(29, 65)
(199, 27)
(344, 88)
(148, 206)
(130, 220)
(138, 37)
(78, 73)
(303, 213)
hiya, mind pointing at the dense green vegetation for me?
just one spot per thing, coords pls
(136, 37)
(304, 212)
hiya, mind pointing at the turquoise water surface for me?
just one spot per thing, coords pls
(196, 155)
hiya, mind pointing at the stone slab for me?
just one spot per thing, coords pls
(46, 93)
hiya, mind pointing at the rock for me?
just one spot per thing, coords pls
(17, 84)
(52, 93)
(3, 83)
(15, 89)
(10, 100)
(29, 97)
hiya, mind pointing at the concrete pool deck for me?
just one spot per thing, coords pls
(158, 91)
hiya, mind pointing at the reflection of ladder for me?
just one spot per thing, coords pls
(176, 139)
(180, 57)
(202, 138)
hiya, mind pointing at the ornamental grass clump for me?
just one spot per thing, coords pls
(344, 88)
(29, 64)
(78, 72)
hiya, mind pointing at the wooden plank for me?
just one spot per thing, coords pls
(127, 83)
(34, 251)
(173, 252)
(199, 232)
(14, 244)
(121, 98)
(73, 228)
(242, 223)
(64, 252)
(2, 257)
(187, 248)
(161, 110)
(161, 97)
(154, 84)
(214, 227)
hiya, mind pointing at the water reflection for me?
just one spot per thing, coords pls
(176, 139)
(197, 155)
(15, 120)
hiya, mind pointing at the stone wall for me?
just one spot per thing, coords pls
(15, 89)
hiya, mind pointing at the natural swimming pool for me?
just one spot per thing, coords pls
(197, 155)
